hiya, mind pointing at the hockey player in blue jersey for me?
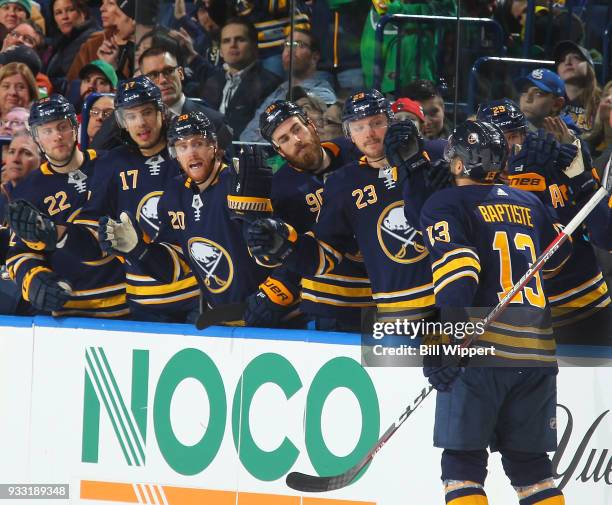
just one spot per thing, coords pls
(482, 237)
(131, 179)
(362, 202)
(335, 298)
(195, 223)
(54, 278)
(578, 294)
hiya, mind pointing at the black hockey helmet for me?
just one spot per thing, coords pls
(134, 92)
(503, 113)
(481, 146)
(185, 125)
(275, 114)
(49, 109)
(364, 104)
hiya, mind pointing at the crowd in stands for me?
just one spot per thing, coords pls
(234, 60)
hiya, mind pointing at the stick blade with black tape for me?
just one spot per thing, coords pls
(221, 314)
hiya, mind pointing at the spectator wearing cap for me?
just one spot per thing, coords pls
(97, 77)
(575, 66)
(404, 109)
(89, 50)
(425, 92)
(17, 88)
(541, 99)
(118, 49)
(27, 55)
(306, 54)
(12, 12)
(240, 87)
(72, 20)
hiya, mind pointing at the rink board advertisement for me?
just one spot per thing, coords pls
(142, 413)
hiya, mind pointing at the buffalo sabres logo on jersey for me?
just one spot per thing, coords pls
(214, 263)
(147, 210)
(79, 180)
(400, 242)
(154, 163)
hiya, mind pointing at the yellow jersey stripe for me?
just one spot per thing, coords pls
(424, 301)
(577, 289)
(97, 303)
(161, 289)
(169, 299)
(466, 273)
(519, 342)
(405, 292)
(459, 250)
(335, 290)
(456, 264)
(337, 303)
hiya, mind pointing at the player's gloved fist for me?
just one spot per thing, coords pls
(270, 239)
(250, 185)
(270, 304)
(123, 237)
(442, 377)
(538, 154)
(438, 176)
(404, 147)
(32, 226)
(45, 290)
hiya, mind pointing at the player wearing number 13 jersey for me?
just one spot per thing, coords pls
(482, 237)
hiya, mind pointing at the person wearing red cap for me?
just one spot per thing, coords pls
(404, 108)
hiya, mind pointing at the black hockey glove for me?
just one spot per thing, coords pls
(271, 239)
(538, 154)
(270, 304)
(250, 185)
(123, 237)
(32, 226)
(438, 175)
(442, 377)
(404, 147)
(45, 290)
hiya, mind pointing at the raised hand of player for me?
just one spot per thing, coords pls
(250, 185)
(123, 237)
(32, 226)
(270, 304)
(404, 147)
(271, 239)
(45, 290)
(538, 154)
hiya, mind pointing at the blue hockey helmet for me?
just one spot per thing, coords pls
(186, 125)
(481, 146)
(364, 104)
(49, 109)
(503, 113)
(276, 113)
(137, 91)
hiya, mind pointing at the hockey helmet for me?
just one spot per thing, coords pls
(275, 114)
(134, 92)
(49, 109)
(364, 104)
(481, 146)
(503, 113)
(185, 125)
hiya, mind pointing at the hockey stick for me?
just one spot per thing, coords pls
(221, 314)
(315, 484)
